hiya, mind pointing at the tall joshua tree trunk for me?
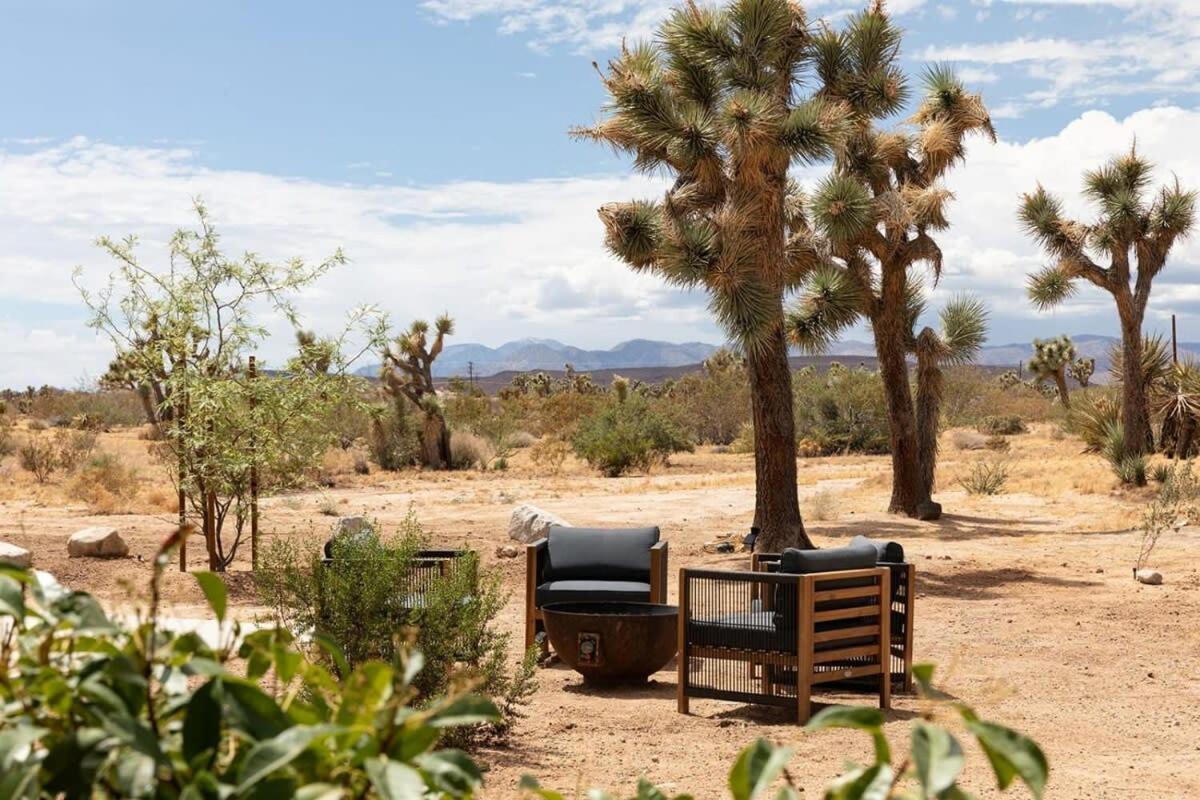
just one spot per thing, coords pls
(435, 441)
(929, 409)
(1134, 416)
(890, 336)
(776, 506)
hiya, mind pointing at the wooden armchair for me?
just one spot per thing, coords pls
(593, 565)
(769, 638)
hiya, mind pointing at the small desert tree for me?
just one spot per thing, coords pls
(1131, 227)
(1049, 362)
(408, 373)
(188, 333)
(874, 216)
(1082, 370)
(716, 102)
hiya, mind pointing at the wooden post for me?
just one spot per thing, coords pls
(1174, 343)
(179, 415)
(253, 466)
(805, 608)
(885, 638)
(681, 658)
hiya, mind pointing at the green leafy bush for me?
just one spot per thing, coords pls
(841, 411)
(93, 708)
(628, 434)
(371, 592)
(1001, 425)
(929, 768)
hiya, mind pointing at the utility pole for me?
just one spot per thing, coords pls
(471, 374)
(1174, 343)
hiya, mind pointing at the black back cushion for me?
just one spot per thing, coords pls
(888, 552)
(604, 554)
(805, 562)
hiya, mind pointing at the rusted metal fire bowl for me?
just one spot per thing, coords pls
(613, 642)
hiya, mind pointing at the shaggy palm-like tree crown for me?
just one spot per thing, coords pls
(408, 361)
(1051, 355)
(1129, 223)
(872, 216)
(714, 101)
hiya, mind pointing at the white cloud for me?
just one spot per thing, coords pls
(507, 259)
(590, 25)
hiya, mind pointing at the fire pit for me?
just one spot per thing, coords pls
(613, 642)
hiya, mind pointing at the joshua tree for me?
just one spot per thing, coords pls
(715, 102)
(1130, 226)
(1049, 362)
(872, 219)
(1082, 370)
(408, 373)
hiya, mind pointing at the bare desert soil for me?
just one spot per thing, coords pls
(1025, 600)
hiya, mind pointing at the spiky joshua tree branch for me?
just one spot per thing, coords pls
(408, 373)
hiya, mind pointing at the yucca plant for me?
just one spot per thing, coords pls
(716, 102)
(1049, 362)
(1177, 400)
(1131, 227)
(408, 373)
(874, 217)
(1082, 370)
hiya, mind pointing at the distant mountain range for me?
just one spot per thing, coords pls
(527, 355)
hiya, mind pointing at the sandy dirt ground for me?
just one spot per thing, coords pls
(1025, 600)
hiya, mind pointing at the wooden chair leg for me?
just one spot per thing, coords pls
(885, 640)
(681, 658)
(804, 661)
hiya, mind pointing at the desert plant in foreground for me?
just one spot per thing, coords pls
(39, 456)
(1049, 362)
(1176, 505)
(986, 477)
(92, 707)
(928, 768)
(372, 590)
(1130, 226)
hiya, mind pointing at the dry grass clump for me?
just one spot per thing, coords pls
(986, 477)
(822, 506)
(997, 444)
(106, 484)
(469, 450)
(39, 456)
(1002, 425)
(522, 439)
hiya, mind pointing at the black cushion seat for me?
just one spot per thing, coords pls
(593, 591)
(750, 630)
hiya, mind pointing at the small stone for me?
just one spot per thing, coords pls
(508, 551)
(15, 556)
(97, 542)
(530, 523)
(1150, 577)
(1099, 570)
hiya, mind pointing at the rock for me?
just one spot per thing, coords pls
(15, 556)
(97, 542)
(929, 511)
(508, 551)
(530, 523)
(1150, 577)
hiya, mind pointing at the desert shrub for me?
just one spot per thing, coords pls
(523, 439)
(627, 435)
(36, 425)
(986, 477)
(1001, 425)
(1129, 467)
(970, 393)
(362, 463)
(105, 483)
(262, 720)
(7, 445)
(841, 411)
(393, 440)
(73, 447)
(1091, 416)
(821, 506)
(100, 409)
(1176, 505)
(559, 414)
(469, 450)
(712, 405)
(1161, 473)
(39, 456)
(968, 440)
(999, 444)
(744, 443)
(550, 453)
(358, 601)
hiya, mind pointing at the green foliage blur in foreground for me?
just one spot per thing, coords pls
(929, 770)
(91, 708)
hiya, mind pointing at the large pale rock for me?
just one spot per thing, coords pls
(1150, 577)
(353, 526)
(15, 556)
(97, 542)
(530, 523)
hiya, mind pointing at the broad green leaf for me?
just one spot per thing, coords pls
(756, 768)
(872, 783)
(529, 784)
(14, 740)
(332, 649)
(395, 781)
(859, 718)
(414, 662)
(202, 722)
(215, 592)
(1012, 755)
(451, 771)
(134, 733)
(923, 675)
(648, 791)
(320, 791)
(249, 709)
(467, 709)
(12, 599)
(937, 756)
(369, 686)
(271, 754)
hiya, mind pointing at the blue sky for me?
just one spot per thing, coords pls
(428, 139)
